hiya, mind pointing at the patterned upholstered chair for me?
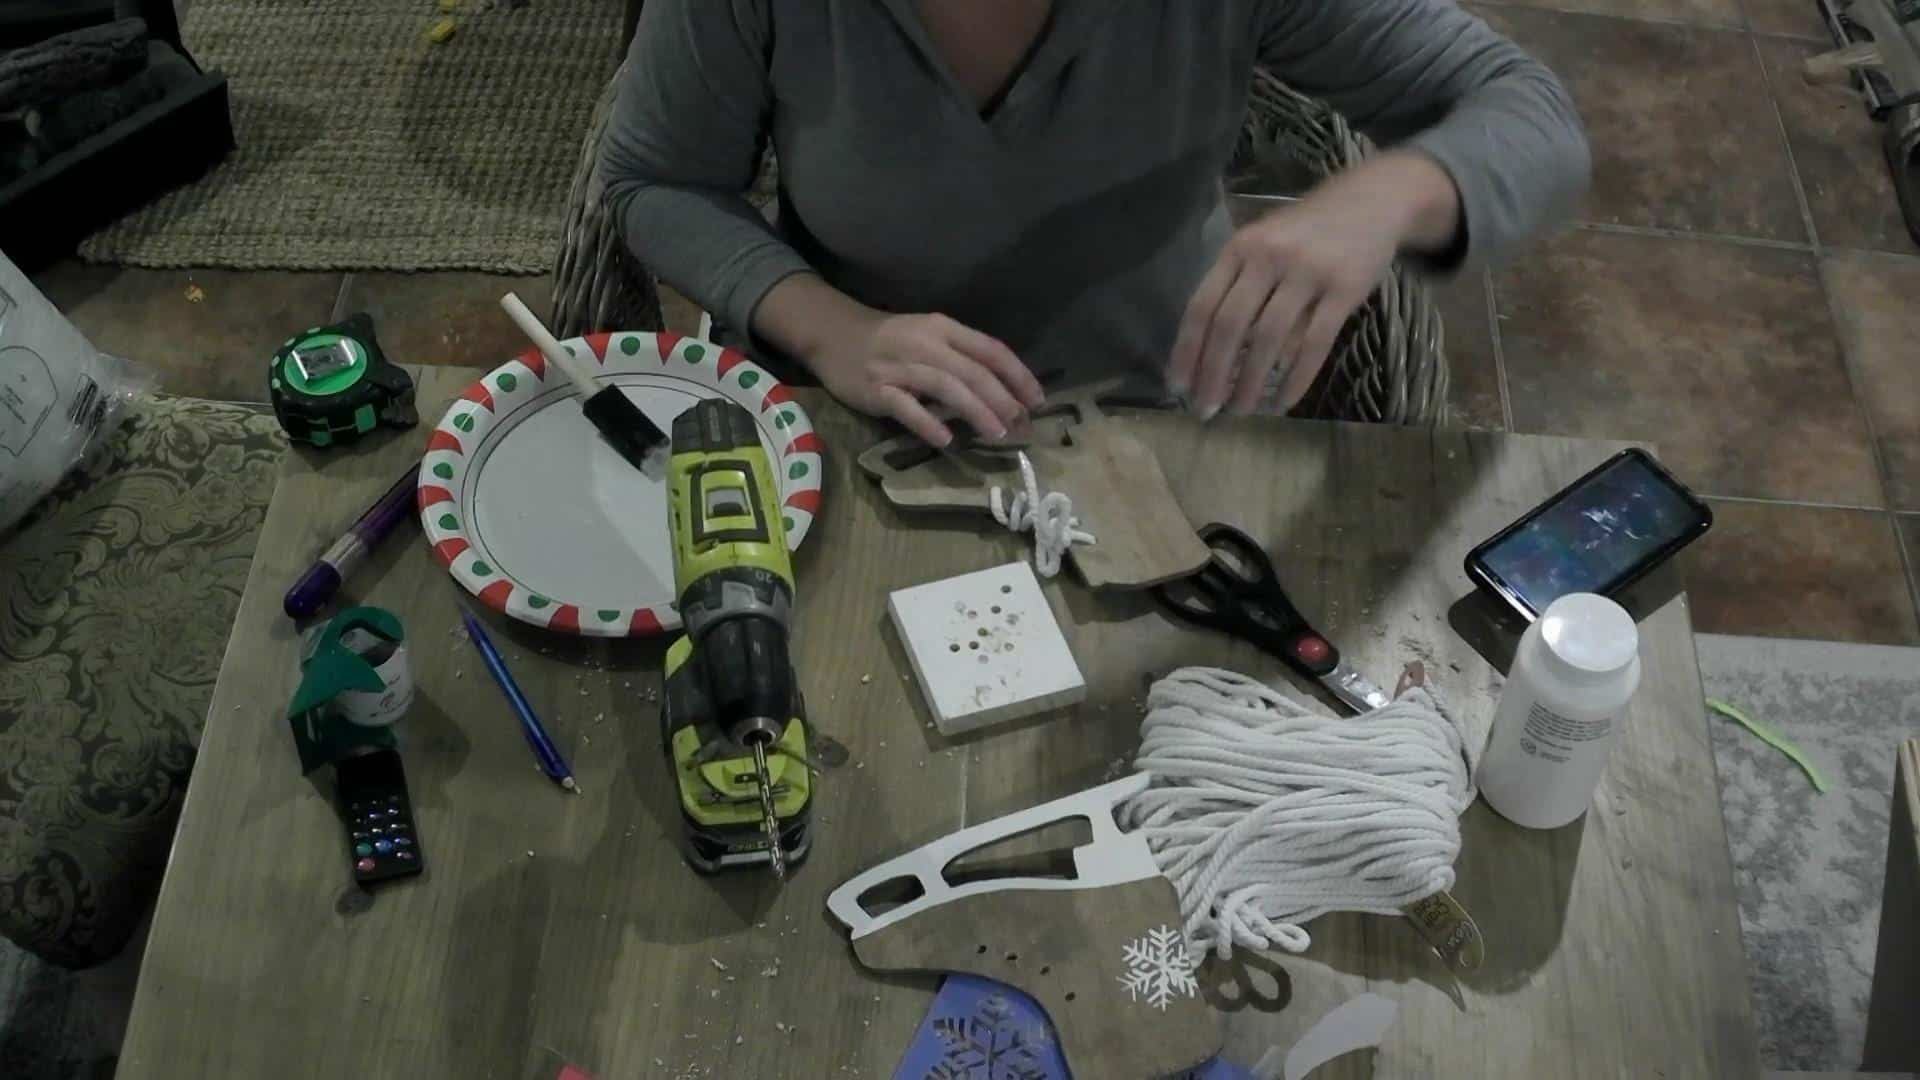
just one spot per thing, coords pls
(117, 594)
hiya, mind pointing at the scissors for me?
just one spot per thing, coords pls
(1238, 592)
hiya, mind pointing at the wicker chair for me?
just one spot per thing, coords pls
(1388, 364)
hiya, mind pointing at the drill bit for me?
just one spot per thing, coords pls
(772, 824)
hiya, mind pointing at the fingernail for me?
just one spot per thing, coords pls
(1176, 386)
(1208, 412)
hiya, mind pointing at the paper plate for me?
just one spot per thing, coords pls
(536, 515)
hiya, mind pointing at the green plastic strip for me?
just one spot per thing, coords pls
(1772, 738)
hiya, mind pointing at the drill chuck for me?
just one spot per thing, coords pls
(749, 676)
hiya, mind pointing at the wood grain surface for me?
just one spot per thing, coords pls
(551, 928)
(1893, 1010)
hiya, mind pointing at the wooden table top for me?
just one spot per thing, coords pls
(552, 929)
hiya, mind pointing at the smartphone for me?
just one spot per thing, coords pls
(1599, 534)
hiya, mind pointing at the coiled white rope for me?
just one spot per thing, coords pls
(1049, 516)
(1265, 815)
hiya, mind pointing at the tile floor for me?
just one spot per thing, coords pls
(1739, 289)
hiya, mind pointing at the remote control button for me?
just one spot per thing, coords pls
(364, 849)
(364, 866)
(378, 831)
(405, 856)
(395, 799)
(383, 846)
(401, 841)
(393, 811)
(359, 834)
(396, 828)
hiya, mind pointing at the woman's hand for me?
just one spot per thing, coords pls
(899, 365)
(902, 366)
(1285, 284)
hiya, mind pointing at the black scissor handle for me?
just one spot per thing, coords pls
(1207, 597)
(1239, 592)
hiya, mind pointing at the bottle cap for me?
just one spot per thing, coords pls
(1588, 637)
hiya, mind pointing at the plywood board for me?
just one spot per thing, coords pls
(1119, 493)
(985, 648)
(1073, 951)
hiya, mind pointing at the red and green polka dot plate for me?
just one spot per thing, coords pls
(535, 515)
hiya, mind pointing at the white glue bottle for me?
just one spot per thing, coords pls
(1566, 698)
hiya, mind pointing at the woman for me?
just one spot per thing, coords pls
(975, 190)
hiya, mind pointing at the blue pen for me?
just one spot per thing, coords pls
(551, 762)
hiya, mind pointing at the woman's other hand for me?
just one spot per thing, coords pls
(1284, 285)
(907, 367)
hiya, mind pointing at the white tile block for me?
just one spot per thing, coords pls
(986, 648)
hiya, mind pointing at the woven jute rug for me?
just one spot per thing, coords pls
(364, 146)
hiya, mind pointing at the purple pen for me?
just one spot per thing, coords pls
(323, 578)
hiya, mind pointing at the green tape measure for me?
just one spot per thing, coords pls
(332, 384)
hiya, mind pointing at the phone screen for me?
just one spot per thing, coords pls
(1596, 535)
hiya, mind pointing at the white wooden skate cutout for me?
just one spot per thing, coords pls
(1064, 942)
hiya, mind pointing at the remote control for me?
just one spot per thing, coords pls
(382, 841)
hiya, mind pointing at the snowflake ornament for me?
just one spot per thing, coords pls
(989, 1045)
(1158, 968)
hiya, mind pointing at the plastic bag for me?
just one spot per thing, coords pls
(60, 398)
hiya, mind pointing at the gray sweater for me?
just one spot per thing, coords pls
(1074, 220)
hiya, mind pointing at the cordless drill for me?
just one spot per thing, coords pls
(733, 721)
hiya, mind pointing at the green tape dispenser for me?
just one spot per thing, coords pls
(332, 384)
